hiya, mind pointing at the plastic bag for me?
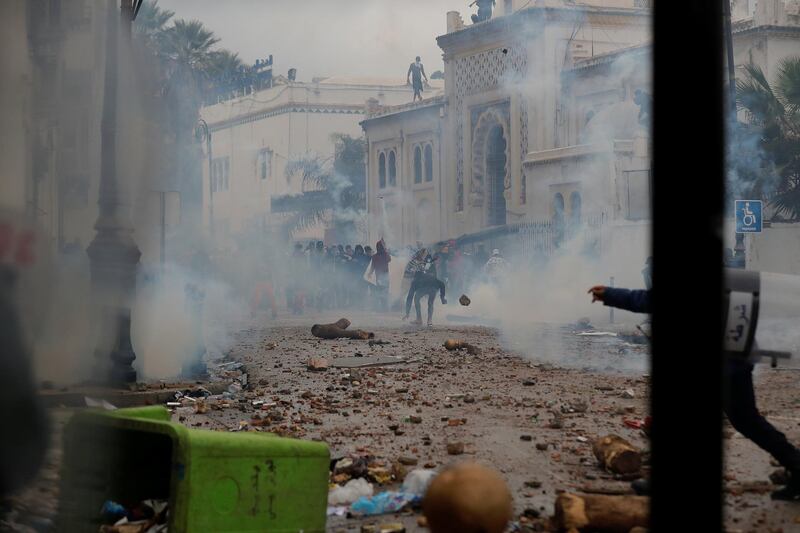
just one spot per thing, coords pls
(417, 481)
(353, 490)
(385, 502)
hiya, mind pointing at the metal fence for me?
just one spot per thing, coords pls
(544, 238)
(538, 240)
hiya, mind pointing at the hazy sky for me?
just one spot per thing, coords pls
(328, 37)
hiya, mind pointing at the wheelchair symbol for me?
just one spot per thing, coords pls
(749, 219)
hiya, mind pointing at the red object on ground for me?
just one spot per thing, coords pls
(635, 424)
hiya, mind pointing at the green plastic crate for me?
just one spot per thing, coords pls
(214, 481)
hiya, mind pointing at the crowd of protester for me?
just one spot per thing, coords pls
(346, 276)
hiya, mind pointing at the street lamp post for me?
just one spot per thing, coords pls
(114, 255)
(204, 132)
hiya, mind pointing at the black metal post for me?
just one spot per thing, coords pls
(687, 286)
(113, 253)
(739, 252)
(205, 132)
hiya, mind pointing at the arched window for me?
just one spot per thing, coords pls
(575, 207)
(496, 175)
(558, 207)
(428, 162)
(417, 164)
(382, 170)
(558, 218)
(392, 169)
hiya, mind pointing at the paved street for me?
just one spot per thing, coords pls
(504, 409)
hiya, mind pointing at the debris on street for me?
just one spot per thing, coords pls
(617, 455)
(453, 344)
(383, 503)
(366, 362)
(318, 363)
(350, 492)
(455, 448)
(150, 516)
(469, 498)
(591, 512)
(464, 300)
(338, 330)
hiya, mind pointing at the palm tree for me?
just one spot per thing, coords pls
(767, 158)
(186, 51)
(330, 192)
(224, 65)
(187, 45)
(312, 206)
(151, 22)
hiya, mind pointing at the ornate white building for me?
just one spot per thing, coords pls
(540, 126)
(505, 132)
(255, 136)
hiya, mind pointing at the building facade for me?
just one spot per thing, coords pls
(504, 119)
(254, 137)
(545, 122)
(53, 94)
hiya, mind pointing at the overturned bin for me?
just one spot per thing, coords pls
(213, 481)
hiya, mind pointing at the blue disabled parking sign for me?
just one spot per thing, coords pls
(748, 216)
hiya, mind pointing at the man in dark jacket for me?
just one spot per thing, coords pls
(424, 285)
(740, 403)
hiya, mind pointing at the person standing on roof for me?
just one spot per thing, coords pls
(414, 76)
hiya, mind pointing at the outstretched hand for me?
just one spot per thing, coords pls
(598, 293)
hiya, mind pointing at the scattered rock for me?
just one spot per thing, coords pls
(453, 344)
(464, 300)
(628, 394)
(467, 498)
(533, 484)
(526, 438)
(379, 475)
(455, 448)
(779, 477)
(408, 461)
(531, 513)
(617, 455)
(529, 382)
(541, 446)
(318, 364)
(399, 471)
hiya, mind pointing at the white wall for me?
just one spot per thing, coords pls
(14, 105)
(775, 249)
(293, 131)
